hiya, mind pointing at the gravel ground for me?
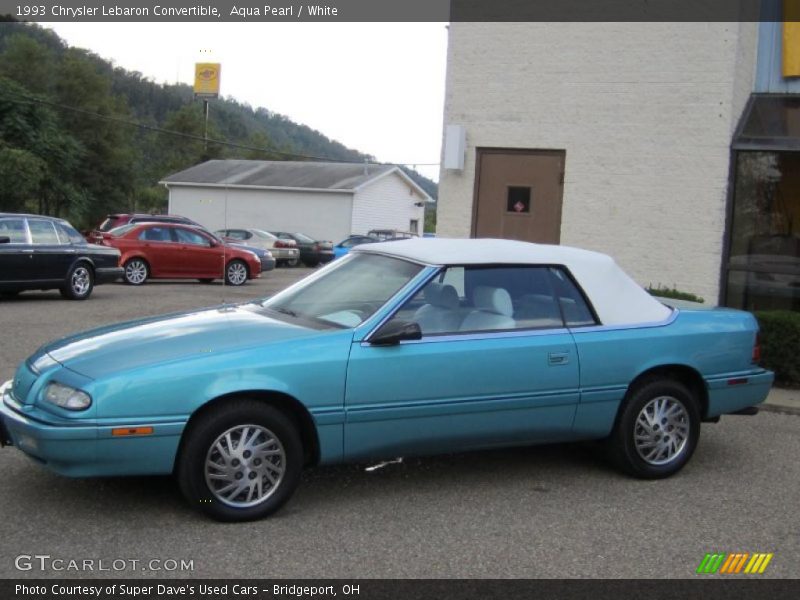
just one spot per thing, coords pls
(551, 511)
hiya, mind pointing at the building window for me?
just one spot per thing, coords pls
(413, 226)
(764, 261)
(518, 200)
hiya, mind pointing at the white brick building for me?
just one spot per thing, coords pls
(327, 201)
(636, 119)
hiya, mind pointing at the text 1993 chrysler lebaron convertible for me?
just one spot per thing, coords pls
(406, 347)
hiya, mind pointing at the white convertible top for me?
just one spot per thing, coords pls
(617, 299)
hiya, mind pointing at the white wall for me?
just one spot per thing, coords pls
(386, 203)
(645, 112)
(321, 215)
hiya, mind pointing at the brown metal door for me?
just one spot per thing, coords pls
(518, 195)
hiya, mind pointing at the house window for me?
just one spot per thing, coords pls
(518, 200)
(413, 226)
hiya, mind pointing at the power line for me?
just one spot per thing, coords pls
(310, 157)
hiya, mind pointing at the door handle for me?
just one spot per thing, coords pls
(558, 358)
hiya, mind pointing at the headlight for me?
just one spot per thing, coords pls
(66, 396)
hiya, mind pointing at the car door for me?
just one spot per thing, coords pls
(160, 251)
(51, 258)
(495, 366)
(200, 258)
(16, 252)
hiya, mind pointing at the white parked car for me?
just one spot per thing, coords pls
(285, 252)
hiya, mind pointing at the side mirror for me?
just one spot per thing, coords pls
(4, 239)
(394, 332)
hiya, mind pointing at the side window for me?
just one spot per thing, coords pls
(155, 234)
(184, 236)
(237, 234)
(43, 232)
(573, 305)
(68, 234)
(482, 299)
(14, 230)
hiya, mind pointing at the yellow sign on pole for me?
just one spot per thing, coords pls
(206, 79)
(791, 38)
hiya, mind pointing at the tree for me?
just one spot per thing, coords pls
(37, 156)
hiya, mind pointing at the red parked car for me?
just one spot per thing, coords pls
(119, 219)
(171, 251)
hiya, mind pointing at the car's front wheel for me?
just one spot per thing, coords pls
(136, 271)
(240, 461)
(79, 283)
(657, 429)
(236, 273)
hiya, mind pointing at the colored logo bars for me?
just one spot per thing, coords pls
(731, 564)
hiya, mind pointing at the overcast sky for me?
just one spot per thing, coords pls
(377, 88)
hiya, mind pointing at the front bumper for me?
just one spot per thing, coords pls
(108, 274)
(267, 264)
(88, 449)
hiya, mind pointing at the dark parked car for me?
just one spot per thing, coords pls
(312, 252)
(45, 253)
(119, 219)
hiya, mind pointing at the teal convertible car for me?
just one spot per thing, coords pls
(407, 347)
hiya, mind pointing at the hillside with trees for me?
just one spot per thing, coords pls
(80, 137)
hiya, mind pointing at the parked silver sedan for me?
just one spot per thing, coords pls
(285, 252)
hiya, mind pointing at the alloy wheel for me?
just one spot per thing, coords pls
(81, 281)
(237, 273)
(245, 465)
(136, 272)
(662, 430)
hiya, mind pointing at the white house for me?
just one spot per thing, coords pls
(672, 146)
(328, 201)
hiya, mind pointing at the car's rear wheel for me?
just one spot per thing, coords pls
(9, 294)
(311, 263)
(236, 273)
(79, 283)
(292, 262)
(657, 429)
(136, 271)
(240, 461)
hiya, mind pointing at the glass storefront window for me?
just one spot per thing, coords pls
(764, 260)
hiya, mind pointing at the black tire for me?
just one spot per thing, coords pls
(622, 443)
(199, 445)
(234, 274)
(79, 282)
(206, 280)
(9, 294)
(311, 263)
(137, 271)
(293, 262)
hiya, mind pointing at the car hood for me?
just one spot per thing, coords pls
(136, 344)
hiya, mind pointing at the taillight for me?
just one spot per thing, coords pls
(281, 244)
(757, 350)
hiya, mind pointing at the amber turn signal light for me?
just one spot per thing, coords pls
(132, 431)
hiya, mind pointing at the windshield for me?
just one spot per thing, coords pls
(300, 237)
(347, 292)
(263, 234)
(122, 229)
(108, 224)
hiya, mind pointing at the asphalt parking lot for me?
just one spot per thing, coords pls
(555, 511)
